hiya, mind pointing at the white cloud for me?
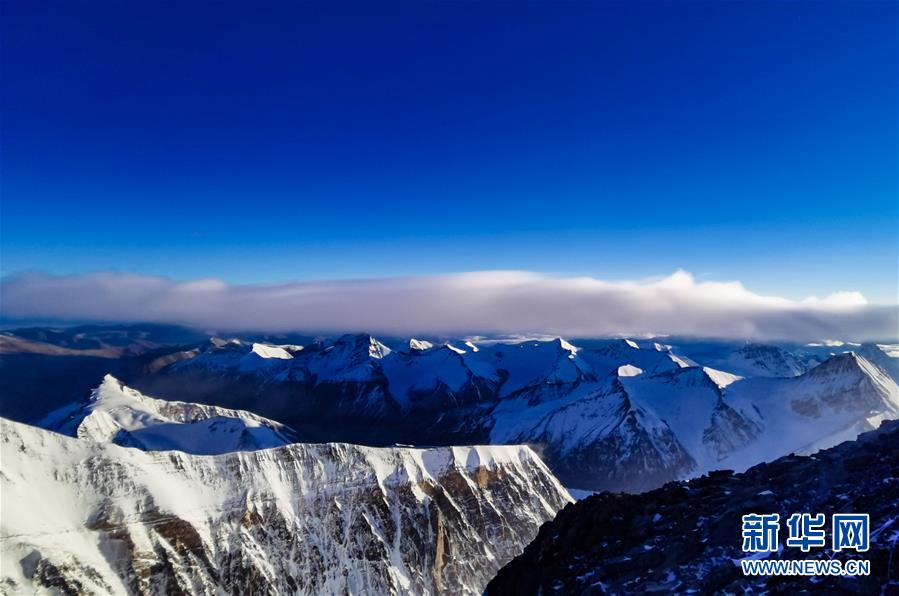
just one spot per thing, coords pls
(481, 302)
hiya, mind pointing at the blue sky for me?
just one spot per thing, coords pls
(275, 142)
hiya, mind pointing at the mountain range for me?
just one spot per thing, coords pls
(606, 414)
(618, 415)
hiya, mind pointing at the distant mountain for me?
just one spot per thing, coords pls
(686, 537)
(108, 339)
(619, 415)
(82, 517)
(758, 360)
(635, 432)
(749, 359)
(117, 414)
(44, 368)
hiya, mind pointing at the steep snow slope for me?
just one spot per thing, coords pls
(833, 402)
(118, 414)
(420, 344)
(691, 402)
(634, 432)
(594, 435)
(884, 356)
(90, 518)
(724, 421)
(267, 351)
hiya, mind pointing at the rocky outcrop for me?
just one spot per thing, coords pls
(686, 536)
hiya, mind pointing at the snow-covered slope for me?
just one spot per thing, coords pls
(692, 403)
(760, 360)
(595, 436)
(92, 518)
(833, 402)
(649, 357)
(433, 377)
(885, 356)
(237, 357)
(118, 414)
(637, 431)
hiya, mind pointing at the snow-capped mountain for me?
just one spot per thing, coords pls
(594, 435)
(240, 357)
(118, 414)
(650, 357)
(639, 431)
(614, 414)
(833, 402)
(759, 360)
(88, 517)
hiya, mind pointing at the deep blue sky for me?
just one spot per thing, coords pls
(261, 143)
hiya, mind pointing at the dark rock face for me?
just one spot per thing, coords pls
(686, 536)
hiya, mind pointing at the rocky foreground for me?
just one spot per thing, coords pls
(686, 536)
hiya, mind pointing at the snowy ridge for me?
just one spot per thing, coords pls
(235, 356)
(118, 414)
(302, 519)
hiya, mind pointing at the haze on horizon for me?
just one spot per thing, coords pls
(299, 146)
(489, 302)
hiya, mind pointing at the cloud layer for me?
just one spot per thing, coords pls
(508, 302)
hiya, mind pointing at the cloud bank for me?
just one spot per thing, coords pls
(490, 302)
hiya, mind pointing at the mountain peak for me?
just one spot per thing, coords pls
(112, 390)
(116, 413)
(363, 342)
(419, 345)
(109, 382)
(268, 351)
(840, 364)
(567, 346)
(719, 377)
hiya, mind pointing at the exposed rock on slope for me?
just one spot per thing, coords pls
(91, 518)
